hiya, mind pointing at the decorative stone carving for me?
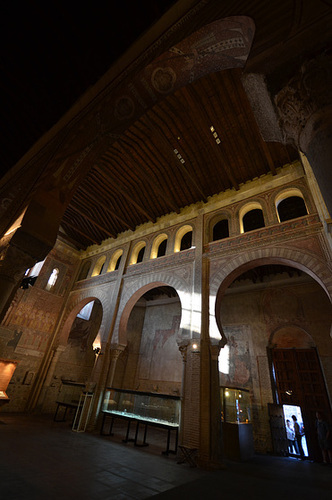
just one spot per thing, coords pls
(306, 94)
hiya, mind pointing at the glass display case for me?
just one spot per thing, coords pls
(142, 408)
(236, 416)
(235, 405)
(7, 368)
(158, 408)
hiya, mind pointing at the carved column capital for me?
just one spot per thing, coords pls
(302, 101)
(115, 351)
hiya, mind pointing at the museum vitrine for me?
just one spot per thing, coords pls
(7, 368)
(236, 416)
(146, 406)
(235, 405)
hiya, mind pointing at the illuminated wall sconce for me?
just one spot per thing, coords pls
(195, 347)
(97, 350)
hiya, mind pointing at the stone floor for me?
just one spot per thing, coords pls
(45, 460)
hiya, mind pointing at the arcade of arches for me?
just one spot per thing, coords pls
(232, 291)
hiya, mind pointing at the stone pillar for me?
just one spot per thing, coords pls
(105, 379)
(115, 353)
(305, 111)
(190, 394)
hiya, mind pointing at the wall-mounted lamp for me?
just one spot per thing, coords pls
(97, 351)
(195, 347)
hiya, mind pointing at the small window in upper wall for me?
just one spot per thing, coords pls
(117, 264)
(186, 241)
(140, 255)
(220, 230)
(291, 208)
(162, 248)
(253, 219)
(52, 279)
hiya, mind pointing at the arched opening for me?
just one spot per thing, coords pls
(148, 376)
(186, 241)
(115, 261)
(291, 208)
(152, 360)
(98, 269)
(254, 219)
(138, 253)
(220, 230)
(183, 238)
(277, 322)
(76, 363)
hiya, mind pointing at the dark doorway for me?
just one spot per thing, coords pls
(299, 382)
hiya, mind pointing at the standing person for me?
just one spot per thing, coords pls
(298, 437)
(290, 437)
(324, 437)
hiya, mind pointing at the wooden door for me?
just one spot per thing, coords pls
(299, 381)
(278, 431)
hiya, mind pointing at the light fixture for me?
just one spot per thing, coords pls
(179, 156)
(215, 134)
(97, 350)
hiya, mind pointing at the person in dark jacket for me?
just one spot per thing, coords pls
(324, 436)
(298, 437)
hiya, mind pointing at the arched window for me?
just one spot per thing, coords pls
(52, 279)
(117, 264)
(115, 261)
(186, 241)
(220, 230)
(183, 238)
(162, 248)
(254, 219)
(159, 246)
(84, 271)
(291, 208)
(138, 253)
(31, 275)
(98, 269)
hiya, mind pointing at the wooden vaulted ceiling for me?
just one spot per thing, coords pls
(55, 51)
(141, 177)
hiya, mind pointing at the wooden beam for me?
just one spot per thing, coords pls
(74, 207)
(122, 191)
(155, 184)
(79, 231)
(168, 150)
(99, 203)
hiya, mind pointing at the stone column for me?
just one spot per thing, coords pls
(105, 379)
(305, 110)
(190, 394)
(115, 353)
